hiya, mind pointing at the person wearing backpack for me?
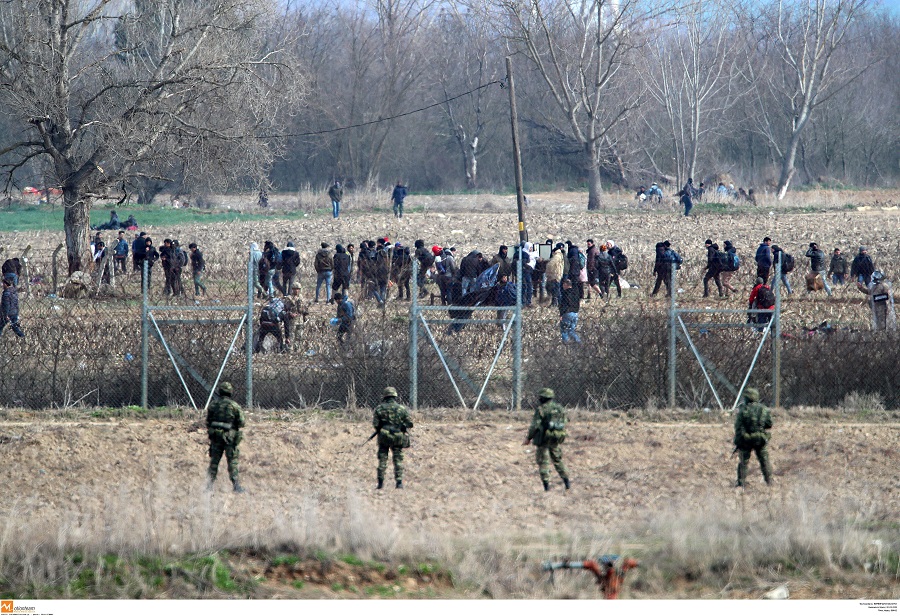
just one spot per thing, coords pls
(346, 316)
(270, 319)
(715, 263)
(787, 266)
(817, 266)
(761, 298)
(273, 256)
(733, 264)
(324, 265)
(620, 261)
(667, 261)
(548, 432)
(392, 423)
(752, 424)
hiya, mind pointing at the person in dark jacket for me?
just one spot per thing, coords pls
(167, 258)
(12, 266)
(838, 268)
(336, 194)
(198, 266)
(397, 197)
(9, 306)
(342, 264)
(728, 274)
(273, 279)
(502, 259)
(604, 267)
(593, 280)
(346, 316)
(138, 250)
(817, 265)
(120, 253)
(862, 267)
(687, 196)
(764, 259)
(324, 266)
(290, 261)
(779, 258)
(569, 306)
(713, 269)
(470, 268)
(151, 256)
(667, 260)
(615, 253)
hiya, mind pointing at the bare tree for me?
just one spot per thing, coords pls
(113, 91)
(694, 76)
(579, 49)
(801, 41)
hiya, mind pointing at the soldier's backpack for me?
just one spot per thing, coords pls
(621, 261)
(582, 259)
(554, 426)
(787, 263)
(733, 261)
(765, 298)
(272, 312)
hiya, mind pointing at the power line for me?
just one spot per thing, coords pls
(388, 119)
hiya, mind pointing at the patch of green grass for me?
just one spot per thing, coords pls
(350, 559)
(381, 590)
(287, 560)
(298, 584)
(336, 587)
(402, 569)
(83, 583)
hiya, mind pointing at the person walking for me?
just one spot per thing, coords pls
(256, 257)
(9, 306)
(569, 306)
(687, 196)
(714, 265)
(397, 196)
(733, 263)
(548, 432)
(342, 264)
(198, 266)
(764, 259)
(817, 266)
(392, 423)
(224, 422)
(838, 267)
(752, 423)
(324, 266)
(336, 194)
(862, 267)
(787, 266)
(881, 302)
(667, 261)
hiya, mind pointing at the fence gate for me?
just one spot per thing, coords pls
(420, 320)
(680, 330)
(151, 325)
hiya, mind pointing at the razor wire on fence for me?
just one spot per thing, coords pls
(83, 347)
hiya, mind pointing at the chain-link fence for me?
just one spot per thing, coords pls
(83, 346)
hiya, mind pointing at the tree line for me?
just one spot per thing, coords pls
(129, 98)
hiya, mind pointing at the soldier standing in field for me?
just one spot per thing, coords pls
(391, 422)
(752, 423)
(224, 421)
(547, 432)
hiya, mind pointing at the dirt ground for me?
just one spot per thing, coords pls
(140, 483)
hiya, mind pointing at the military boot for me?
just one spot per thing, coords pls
(380, 484)
(237, 487)
(566, 482)
(399, 485)
(546, 486)
(210, 482)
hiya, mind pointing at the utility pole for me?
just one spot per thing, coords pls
(517, 154)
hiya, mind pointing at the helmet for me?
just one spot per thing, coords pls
(546, 393)
(751, 394)
(877, 276)
(225, 389)
(389, 392)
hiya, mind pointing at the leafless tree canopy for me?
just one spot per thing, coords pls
(102, 96)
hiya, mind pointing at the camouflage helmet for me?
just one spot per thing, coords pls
(751, 394)
(225, 389)
(546, 393)
(389, 392)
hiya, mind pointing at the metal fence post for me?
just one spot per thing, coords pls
(672, 321)
(776, 340)
(145, 332)
(414, 340)
(517, 347)
(248, 348)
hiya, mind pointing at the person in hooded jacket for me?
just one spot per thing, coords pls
(342, 263)
(470, 268)
(727, 274)
(290, 261)
(555, 268)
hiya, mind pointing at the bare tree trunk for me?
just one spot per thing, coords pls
(787, 166)
(77, 224)
(595, 188)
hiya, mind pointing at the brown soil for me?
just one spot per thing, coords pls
(139, 484)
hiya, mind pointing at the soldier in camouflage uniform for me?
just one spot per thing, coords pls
(548, 431)
(224, 421)
(391, 422)
(751, 425)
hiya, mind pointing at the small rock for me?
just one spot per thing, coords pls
(778, 593)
